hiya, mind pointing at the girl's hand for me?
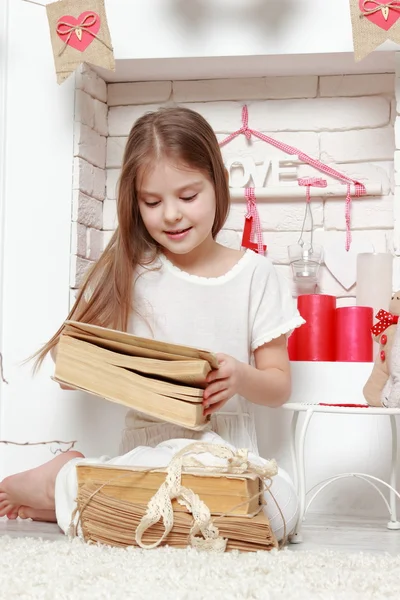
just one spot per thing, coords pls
(64, 386)
(222, 383)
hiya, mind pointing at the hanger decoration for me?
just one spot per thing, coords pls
(79, 33)
(374, 22)
(252, 221)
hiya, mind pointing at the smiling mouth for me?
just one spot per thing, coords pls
(177, 231)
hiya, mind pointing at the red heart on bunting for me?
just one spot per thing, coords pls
(78, 33)
(385, 16)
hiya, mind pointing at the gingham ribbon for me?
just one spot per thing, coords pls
(385, 319)
(359, 187)
(252, 213)
(311, 181)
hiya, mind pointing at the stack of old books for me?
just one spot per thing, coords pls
(161, 380)
(113, 500)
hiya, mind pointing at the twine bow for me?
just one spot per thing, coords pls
(385, 319)
(87, 22)
(385, 8)
(252, 213)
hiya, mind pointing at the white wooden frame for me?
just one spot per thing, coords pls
(299, 192)
(3, 157)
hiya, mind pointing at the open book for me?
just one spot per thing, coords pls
(162, 380)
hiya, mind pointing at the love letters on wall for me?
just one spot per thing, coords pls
(374, 22)
(79, 36)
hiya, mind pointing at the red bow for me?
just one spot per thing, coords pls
(385, 319)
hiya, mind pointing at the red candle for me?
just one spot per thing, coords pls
(315, 340)
(353, 334)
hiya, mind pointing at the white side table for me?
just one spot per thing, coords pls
(297, 450)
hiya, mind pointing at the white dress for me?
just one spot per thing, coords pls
(233, 314)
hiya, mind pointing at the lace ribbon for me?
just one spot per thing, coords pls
(160, 505)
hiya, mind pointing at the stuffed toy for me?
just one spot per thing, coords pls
(383, 385)
(390, 397)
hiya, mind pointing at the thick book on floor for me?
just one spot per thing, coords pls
(111, 509)
(222, 493)
(162, 380)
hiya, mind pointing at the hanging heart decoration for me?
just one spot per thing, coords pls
(78, 33)
(382, 13)
(342, 263)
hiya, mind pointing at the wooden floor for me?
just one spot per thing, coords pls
(319, 532)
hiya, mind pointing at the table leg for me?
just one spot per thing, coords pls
(293, 429)
(393, 523)
(296, 537)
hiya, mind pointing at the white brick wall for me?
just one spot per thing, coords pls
(349, 122)
(89, 174)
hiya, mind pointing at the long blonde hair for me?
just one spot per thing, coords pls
(105, 297)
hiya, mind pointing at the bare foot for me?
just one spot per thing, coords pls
(25, 512)
(33, 489)
(13, 514)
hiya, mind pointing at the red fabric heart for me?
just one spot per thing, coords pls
(378, 17)
(85, 27)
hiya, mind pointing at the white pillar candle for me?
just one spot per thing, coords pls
(374, 280)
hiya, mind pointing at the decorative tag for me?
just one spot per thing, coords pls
(79, 36)
(78, 33)
(382, 14)
(247, 235)
(342, 263)
(374, 22)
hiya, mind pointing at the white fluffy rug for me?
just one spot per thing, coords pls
(32, 568)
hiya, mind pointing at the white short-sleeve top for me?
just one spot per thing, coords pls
(234, 314)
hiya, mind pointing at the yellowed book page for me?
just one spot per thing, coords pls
(121, 386)
(221, 494)
(115, 521)
(78, 350)
(191, 372)
(127, 475)
(127, 338)
(121, 347)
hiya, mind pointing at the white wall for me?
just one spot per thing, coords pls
(235, 38)
(346, 122)
(228, 28)
(3, 88)
(37, 199)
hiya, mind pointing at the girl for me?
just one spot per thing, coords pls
(164, 275)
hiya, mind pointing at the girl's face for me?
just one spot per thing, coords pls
(177, 206)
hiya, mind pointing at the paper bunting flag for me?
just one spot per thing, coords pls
(374, 22)
(79, 33)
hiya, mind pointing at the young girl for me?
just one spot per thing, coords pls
(163, 275)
